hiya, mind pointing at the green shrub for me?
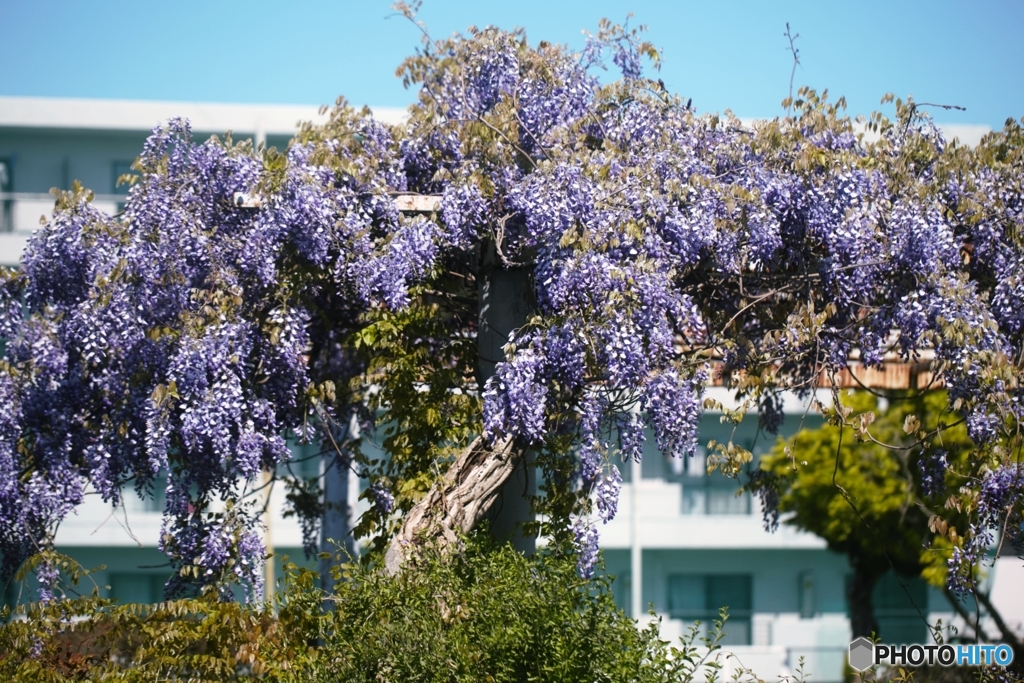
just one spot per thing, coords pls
(485, 614)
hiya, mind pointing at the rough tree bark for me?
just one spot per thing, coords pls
(458, 501)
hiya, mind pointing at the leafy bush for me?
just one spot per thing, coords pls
(485, 614)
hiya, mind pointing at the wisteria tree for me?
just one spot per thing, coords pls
(539, 267)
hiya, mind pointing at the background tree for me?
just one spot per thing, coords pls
(870, 496)
(877, 492)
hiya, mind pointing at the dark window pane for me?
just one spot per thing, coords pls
(686, 594)
(733, 592)
(901, 608)
(6, 205)
(119, 169)
(137, 587)
(807, 595)
(695, 597)
(900, 593)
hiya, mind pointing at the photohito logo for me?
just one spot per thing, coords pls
(864, 653)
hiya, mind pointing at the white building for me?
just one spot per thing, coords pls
(694, 544)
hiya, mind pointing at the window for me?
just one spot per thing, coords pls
(709, 494)
(305, 461)
(696, 597)
(901, 608)
(12, 591)
(6, 185)
(622, 587)
(154, 503)
(807, 595)
(121, 168)
(139, 587)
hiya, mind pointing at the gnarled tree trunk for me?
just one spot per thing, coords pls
(457, 502)
(492, 480)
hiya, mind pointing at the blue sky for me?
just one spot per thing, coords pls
(723, 55)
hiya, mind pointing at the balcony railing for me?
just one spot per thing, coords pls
(20, 211)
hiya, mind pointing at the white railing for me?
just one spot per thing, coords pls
(20, 211)
(20, 215)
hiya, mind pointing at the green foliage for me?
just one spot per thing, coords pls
(419, 366)
(486, 614)
(200, 639)
(858, 485)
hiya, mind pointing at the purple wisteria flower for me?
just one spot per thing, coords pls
(585, 540)
(383, 499)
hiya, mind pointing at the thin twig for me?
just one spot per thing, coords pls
(796, 60)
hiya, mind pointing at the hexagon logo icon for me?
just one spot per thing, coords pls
(862, 653)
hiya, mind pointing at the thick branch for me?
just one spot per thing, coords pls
(458, 501)
(1007, 633)
(979, 633)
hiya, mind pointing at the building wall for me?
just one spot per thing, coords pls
(41, 160)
